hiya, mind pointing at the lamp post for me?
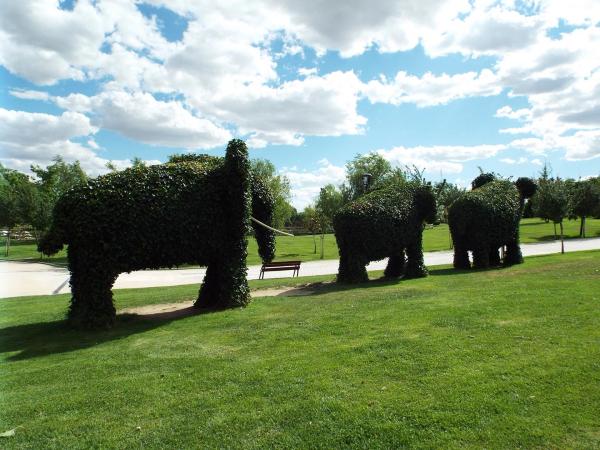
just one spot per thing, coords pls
(366, 179)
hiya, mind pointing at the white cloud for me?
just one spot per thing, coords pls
(43, 43)
(29, 94)
(485, 31)
(581, 145)
(444, 158)
(35, 138)
(19, 129)
(141, 117)
(521, 160)
(354, 26)
(430, 89)
(307, 184)
(508, 113)
(307, 71)
(316, 106)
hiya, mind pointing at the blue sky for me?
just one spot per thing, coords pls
(447, 86)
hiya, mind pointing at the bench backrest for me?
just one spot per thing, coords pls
(282, 264)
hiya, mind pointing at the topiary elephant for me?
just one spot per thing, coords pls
(384, 223)
(487, 218)
(189, 212)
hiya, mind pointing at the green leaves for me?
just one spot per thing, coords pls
(191, 211)
(486, 218)
(380, 224)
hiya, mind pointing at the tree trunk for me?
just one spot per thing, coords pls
(582, 227)
(322, 246)
(314, 242)
(562, 241)
(7, 243)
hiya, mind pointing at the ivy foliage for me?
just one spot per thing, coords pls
(387, 222)
(487, 218)
(192, 211)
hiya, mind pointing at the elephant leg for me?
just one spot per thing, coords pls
(481, 257)
(351, 270)
(208, 296)
(224, 286)
(395, 265)
(494, 257)
(461, 256)
(513, 254)
(92, 302)
(415, 266)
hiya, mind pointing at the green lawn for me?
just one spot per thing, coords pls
(302, 247)
(504, 358)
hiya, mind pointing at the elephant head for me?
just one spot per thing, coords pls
(425, 203)
(527, 187)
(263, 205)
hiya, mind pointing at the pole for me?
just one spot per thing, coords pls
(271, 228)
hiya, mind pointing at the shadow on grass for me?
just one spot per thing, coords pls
(321, 288)
(48, 338)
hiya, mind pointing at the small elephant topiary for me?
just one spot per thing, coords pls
(487, 218)
(195, 211)
(384, 223)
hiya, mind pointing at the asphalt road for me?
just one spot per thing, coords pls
(23, 278)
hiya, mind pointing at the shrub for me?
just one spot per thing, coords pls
(384, 223)
(190, 212)
(487, 218)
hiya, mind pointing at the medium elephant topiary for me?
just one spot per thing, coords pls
(487, 218)
(384, 223)
(189, 212)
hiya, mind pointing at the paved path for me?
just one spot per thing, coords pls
(23, 278)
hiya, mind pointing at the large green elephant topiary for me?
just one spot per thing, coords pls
(188, 212)
(487, 218)
(384, 223)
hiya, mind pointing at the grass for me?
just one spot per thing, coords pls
(302, 247)
(501, 358)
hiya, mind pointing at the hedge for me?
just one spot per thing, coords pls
(487, 218)
(192, 211)
(384, 223)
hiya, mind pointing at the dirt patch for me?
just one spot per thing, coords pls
(173, 310)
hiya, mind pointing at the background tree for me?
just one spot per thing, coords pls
(373, 163)
(280, 188)
(52, 181)
(552, 202)
(18, 201)
(584, 198)
(445, 194)
(136, 162)
(330, 200)
(311, 223)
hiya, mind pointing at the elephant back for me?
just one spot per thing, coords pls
(493, 209)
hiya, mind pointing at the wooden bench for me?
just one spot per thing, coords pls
(280, 265)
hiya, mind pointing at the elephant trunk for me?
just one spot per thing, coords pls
(262, 211)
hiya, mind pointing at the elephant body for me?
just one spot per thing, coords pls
(194, 212)
(485, 219)
(384, 223)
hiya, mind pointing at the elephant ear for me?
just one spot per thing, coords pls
(482, 179)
